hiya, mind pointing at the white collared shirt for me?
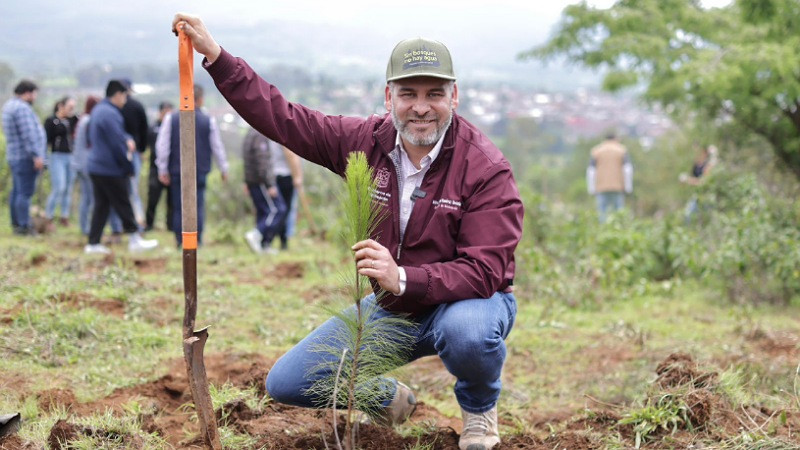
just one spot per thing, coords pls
(164, 144)
(412, 179)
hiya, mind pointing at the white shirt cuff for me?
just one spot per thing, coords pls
(401, 280)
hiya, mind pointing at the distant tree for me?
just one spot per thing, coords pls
(739, 63)
(6, 78)
(92, 75)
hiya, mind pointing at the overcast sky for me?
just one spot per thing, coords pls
(484, 37)
(443, 19)
(402, 17)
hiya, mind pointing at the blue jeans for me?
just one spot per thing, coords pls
(606, 201)
(270, 212)
(23, 185)
(468, 336)
(691, 208)
(86, 202)
(60, 167)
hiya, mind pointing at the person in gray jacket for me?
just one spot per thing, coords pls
(258, 153)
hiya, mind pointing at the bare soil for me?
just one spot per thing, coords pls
(164, 401)
(278, 426)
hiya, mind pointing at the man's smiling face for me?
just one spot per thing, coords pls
(422, 108)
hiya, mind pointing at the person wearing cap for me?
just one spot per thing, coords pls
(109, 165)
(445, 253)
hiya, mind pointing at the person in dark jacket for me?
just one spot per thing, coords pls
(446, 251)
(258, 154)
(136, 126)
(110, 168)
(168, 160)
(154, 186)
(60, 130)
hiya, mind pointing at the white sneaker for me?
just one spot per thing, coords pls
(96, 249)
(138, 244)
(253, 239)
(480, 430)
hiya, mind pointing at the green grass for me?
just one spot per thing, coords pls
(560, 357)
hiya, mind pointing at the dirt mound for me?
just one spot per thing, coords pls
(776, 343)
(14, 442)
(151, 265)
(679, 376)
(163, 400)
(53, 399)
(369, 437)
(63, 432)
(289, 270)
(680, 369)
(701, 404)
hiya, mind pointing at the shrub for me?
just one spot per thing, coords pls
(752, 247)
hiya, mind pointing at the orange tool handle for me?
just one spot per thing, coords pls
(186, 68)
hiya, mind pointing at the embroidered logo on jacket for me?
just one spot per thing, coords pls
(382, 178)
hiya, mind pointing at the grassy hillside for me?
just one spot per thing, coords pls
(85, 339)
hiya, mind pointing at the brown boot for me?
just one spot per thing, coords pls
(480, 430)
(400, 409)
(63, 221)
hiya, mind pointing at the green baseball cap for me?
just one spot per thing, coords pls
(420, 57)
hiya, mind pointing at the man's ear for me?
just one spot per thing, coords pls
(454, 100)
(388, 100)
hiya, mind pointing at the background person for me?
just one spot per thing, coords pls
(136, 126)
(59, 128)
(289, 179)
(449, 265)
(705, 160)
(154, 186)
(258, 156)
(609, 175)
(168, 161)
(110, 168)
(26, 144)
(80, 159)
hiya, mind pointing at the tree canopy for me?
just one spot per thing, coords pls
(739, 63)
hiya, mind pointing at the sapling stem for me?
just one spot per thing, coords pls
(335, 393)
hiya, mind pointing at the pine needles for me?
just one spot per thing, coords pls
(368, 342)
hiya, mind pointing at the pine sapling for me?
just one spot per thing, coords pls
(366, 345)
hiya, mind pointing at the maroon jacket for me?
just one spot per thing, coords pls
(460, 239)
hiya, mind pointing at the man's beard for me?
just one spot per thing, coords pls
(421, 140)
